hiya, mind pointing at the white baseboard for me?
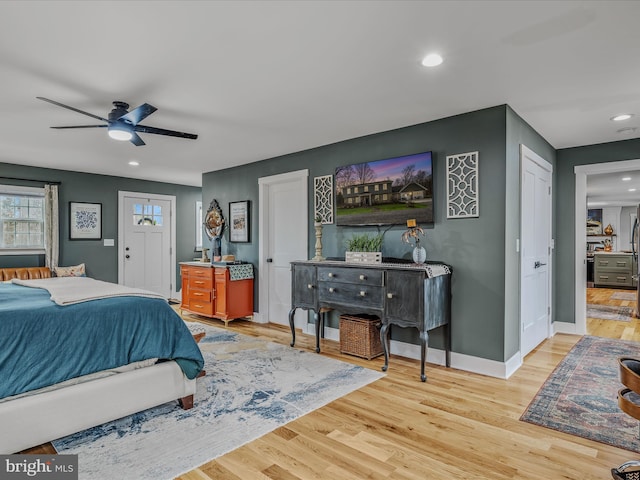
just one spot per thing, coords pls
(565, 327)
(436, 356)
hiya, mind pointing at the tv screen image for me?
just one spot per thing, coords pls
(385, 192)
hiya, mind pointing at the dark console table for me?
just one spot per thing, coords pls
(406, 295)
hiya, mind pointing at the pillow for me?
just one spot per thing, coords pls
(74, 271)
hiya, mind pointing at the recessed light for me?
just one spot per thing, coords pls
(134, 163)
(432, 60)
(621, 117)
(632, 190)
(626, 179)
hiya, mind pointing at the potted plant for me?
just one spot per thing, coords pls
(362, 248)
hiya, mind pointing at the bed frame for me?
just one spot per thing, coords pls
(33, 420)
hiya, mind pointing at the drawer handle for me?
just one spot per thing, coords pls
(621, 278)
(198, 282)
(310, 287)
(331, 289)
(198, 294)
(363, 293)
(198, 306)
(330, 275)
(363, 277)
(389, 295)
(621, 264)
(604, 276)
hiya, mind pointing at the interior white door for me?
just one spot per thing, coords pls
(284, 229)
(535, 250)
(146, 243)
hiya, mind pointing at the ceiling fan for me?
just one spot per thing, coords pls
(122, 124)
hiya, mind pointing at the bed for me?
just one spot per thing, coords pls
(67, 368)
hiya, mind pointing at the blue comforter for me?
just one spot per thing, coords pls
(42, 343)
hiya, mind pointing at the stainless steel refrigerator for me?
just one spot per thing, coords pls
(635, 247)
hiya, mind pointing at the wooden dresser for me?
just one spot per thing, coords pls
(217, 290)
(406, 295)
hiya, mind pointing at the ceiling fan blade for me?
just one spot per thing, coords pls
(138, 114)
(82, 126)
(136, 140)
(162, 131)
(72, 108)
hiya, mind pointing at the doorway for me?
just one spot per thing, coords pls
(146, 241)
(584, 296)
(284, 226)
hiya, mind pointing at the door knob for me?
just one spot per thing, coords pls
(538, 265)
(126, 256)
(269, 260)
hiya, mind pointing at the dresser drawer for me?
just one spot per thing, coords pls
(613, 262)
(200, 282)
(355, 276)
(200, 296)
(198, 306)
(353, 296)
(614, 279)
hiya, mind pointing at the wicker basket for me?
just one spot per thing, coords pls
(360, 336)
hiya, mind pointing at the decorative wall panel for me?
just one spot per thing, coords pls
(462, 185)
(323, 198)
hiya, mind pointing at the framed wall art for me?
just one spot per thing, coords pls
(239, 221)
(85, 221)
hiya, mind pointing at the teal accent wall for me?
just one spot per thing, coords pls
(102, 262)
(518, 133)
(567, 159)
(475, 247)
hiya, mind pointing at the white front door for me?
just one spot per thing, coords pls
(283, 238)
(145, 242)
(535, 250)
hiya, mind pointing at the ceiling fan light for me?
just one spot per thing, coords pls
(119, 133)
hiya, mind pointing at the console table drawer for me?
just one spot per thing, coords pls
(354, 296)
(354, 276)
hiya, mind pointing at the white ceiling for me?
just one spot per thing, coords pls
(259, 79)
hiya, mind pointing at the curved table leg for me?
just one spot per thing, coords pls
(424, 340)
(385, 345)
(292, 326)
(316, 319)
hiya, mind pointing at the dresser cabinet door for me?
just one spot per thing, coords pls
(304, 289)
(404, 304)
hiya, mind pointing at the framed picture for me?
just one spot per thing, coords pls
(85, 221)
(239, 221)
(594, 221)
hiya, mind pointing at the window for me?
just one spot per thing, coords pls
(147, 214)
(21, 218)
(198, 226)
(376, 187)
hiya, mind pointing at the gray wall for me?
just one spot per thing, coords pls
(101, 261)
(518, 133)
(474, 247)
(567, 159)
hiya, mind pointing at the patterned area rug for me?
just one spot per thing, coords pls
(251, 388)
(609, 312)
(630, 296)
(580, 396)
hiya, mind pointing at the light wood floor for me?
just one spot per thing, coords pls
(629, 330)
(457, 425)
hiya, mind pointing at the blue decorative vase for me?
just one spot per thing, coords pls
(419, 254)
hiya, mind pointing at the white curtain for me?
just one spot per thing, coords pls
(51, 229)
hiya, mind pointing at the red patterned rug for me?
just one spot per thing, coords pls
(580, 396)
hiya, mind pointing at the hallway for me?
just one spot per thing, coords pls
(612, 303)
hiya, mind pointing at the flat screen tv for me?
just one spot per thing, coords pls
(385, 192)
